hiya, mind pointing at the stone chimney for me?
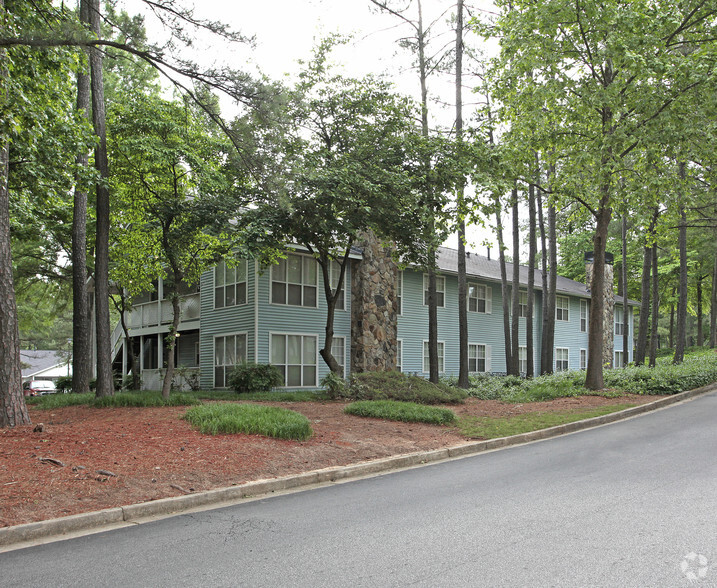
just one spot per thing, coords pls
(608, 317)
(374, 332)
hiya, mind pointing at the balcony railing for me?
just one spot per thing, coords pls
(153, 314)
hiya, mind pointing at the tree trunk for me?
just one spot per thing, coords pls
(331, 297)
(544, 363)
(713, 302)
(700, 333)
(514, 368)
(463, 381)
(530, 367)
(549, 320)
(641, 345)
(105, 385)
(433, 374)
(671, 334)
(594, 374)
(625, 307)
(682, 294)
(81, 326)
(13, 410)
(503, 287)
(655, 307)
(171, 341)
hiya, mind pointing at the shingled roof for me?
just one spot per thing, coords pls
(481, 267)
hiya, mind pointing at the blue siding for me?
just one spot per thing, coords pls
(258, 318)
(483, 328)
(224, 321)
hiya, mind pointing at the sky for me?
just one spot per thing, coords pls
(285, 31)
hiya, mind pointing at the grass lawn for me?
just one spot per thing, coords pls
(492, 428)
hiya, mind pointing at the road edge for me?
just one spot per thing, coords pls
(18, 536)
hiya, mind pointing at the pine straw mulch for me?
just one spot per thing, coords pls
(89, 459)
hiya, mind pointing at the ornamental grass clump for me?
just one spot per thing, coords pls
(143, 399)
(251, 419)
(408, 412)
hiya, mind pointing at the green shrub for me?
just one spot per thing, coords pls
(408, 412)
(254, 377)
(251, 419)
(336, 387)
(399, 386)
(64, 384)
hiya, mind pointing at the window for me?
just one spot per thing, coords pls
(399, 355)
(523, 304)
(338, 350)
(229, 351)
(479, 298)
(476, 358)
(295, 357)
(561, 359)
(523, 360)
(440, 290)
(426, 362)
(399, 293)
(584, 316)
(619, 359)
(293, 281)
(619, 324)
(583, 359)
(230, 284)
(334, 273)
(562, 304)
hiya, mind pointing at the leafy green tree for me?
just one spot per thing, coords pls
(174, 198)
(597, 81)
(351, 165)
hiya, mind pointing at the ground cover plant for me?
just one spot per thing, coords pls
(394, 410)
(493, 428)
(698, 369)
(251, 419)
(403, 387)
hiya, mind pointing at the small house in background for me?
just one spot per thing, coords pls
(43, 364)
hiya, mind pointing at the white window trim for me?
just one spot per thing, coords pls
(488, 298)
(245, 281)
(585, 351)
(214, 351)
(584, 304)
(555, 353)
(614, 359)
(487, 356)
(271, 285)
(343, 359)
(399, 287)
(520, 348)
(520, 306)
(425, 289)
(619, 325)
(399, 344)
(285, 333)
(426, 360)
(562, 320)
(331, 280)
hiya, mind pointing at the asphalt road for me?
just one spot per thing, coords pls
(628, 504)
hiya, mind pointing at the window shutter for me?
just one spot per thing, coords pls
(488, 354)
(488, 299)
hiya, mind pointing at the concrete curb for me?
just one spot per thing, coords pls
(134, 513)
